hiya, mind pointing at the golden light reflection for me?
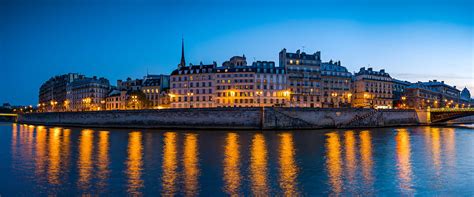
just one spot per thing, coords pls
(288, 167)
(403, 158)
(436, 149)
(258, 165)
(85, 159)
(14, 139)
(366, 156)
(134, 163)
(54, 155)
(169, 164)
(65, 151)
(232, 175)
(333, 161)
(191, 164)
(40, 162)
(103, 159)
(351, 161)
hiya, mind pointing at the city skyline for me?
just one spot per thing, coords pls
(51, 39)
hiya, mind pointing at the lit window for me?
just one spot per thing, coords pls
(291, 61)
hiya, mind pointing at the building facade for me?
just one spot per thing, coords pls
(420, 96)
(336, 85)
(53, 94)
(153, 86)
(88, 94)
(373, 89)
(116, 100)
(399, 88)
(303, 77)
(270, 85)
(449, 95)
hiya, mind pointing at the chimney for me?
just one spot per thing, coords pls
(382, 70)
(434, 80)
(442, 82)
(369, 69)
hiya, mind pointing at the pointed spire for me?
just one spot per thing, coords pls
(183, 61)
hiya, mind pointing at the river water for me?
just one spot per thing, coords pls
(378, 161)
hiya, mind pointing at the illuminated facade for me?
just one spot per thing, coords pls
(336, 85)
(116, 100)
(153, 85)
(303, 77)
(270, 85)
(192, 86)
(234, 86)
(52, 93)
(419, 96)
(88, 94)
(449, 95)
(373, 89)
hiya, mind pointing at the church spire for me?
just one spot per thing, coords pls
(183, 61)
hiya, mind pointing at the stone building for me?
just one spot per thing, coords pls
(373, 89)
(52, 93)
(153, 86)
(270, 85)
(88, 93)
(336, 85)
(465, 98)
(303, 77)
(399, 88)
(234, 84)
(420, 96)
(116, 100)
(449, 95)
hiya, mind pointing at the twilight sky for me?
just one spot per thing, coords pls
(412, 40)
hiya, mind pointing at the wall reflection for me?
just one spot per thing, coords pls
(366, 156)
(134, 162)
(103, 159)
(333, 161)
(232, 175)
(436, 150)
(65, 153)
(54, 155)
(258, 165)
(288, 167)
(191, 164)
(351, 160)
(403, 158)
(169, 164)
(84, 163)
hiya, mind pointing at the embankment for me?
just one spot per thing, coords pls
(229, 118)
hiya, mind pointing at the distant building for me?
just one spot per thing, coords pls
(130, 84)
(336, 85)
(399, 88)
(373, 89)
(465, 99)
(303, 77)
(52, 93)
(420, 96)
(234, 84)
(270, 85)
(449, 95)
(152, 87)
(87, 93)
(116, 100)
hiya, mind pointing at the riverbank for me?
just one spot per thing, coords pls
(229, 118)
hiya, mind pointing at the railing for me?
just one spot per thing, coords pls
(452, 110)
(11, 115)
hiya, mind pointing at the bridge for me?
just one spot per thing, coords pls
(438, 115)
(8, 117)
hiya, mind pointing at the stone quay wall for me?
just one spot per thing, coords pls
(229, 118)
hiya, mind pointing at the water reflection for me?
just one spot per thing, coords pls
(54, 155)
(403, 159)
(65, 153)
(349, 141)
(366, 156)
(288, 167)
(191, 164)
(85, 159)
(103, 159)
(449, 143)
(134, 162)
(40, 157)
(333, 161)
(436, 150)
(232, 164)
(258, 165)
(169, 165)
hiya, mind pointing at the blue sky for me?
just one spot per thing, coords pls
(412, 40)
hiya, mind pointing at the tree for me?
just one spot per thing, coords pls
(137, 100)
